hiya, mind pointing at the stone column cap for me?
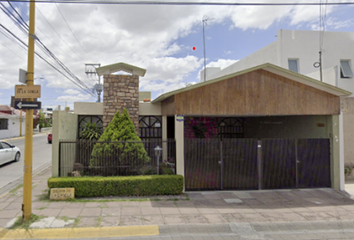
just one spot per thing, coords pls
(116, 67)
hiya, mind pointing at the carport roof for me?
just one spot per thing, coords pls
(271, 68)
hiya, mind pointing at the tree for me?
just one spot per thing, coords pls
(119, 149)
(41, 121)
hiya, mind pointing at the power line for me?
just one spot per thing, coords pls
(16, 11)
(76, 79)
(24, 27)
(58, 36)
(71, 29)
(181, 3)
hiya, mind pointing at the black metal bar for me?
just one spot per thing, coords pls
(296, 165)
(221, 164)
(259, 165)
(59, 162)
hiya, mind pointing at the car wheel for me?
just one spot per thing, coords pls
(17, 156)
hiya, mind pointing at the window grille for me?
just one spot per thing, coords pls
(3, 124)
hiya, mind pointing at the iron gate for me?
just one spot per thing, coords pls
(256, 164)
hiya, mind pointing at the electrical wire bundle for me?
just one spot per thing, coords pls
(57, 65)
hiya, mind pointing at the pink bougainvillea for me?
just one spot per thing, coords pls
(201, 127)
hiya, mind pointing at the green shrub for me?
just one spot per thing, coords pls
(121, 186)
(147, 170)
(115, 150)
(166, 170)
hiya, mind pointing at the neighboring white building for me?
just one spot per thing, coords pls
(298, 50)
(10, 122)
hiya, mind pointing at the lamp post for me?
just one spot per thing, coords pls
(158, 151)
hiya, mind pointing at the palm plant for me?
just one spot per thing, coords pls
(91, 131)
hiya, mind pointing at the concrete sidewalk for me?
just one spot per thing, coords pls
(193, 209)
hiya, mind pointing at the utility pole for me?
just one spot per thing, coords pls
(90, 70)
(27, 178)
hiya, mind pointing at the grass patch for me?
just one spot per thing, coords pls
(76, 221)
(14, 191)
(99, 220)
(43, 197)
(25, 224)
(109, 200)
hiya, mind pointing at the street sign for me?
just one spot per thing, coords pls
(27, 105)
(27, 91)
(22, 76)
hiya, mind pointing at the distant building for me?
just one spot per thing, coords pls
(10, 122)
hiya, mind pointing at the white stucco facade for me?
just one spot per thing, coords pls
(13, 126)
(303, 46)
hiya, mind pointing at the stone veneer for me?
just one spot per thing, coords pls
(121, 91)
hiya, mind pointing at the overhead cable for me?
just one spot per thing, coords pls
(23, 43)
(183, 3)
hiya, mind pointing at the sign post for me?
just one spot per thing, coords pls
(27, 176)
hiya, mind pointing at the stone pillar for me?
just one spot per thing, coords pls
(119, 92)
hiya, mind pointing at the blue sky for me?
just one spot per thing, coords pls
(158, 38)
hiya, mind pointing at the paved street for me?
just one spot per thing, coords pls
(11, 173)
(273, 214)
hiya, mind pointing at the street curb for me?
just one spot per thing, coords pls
(22, 137)
(64, 233)
(7, 188)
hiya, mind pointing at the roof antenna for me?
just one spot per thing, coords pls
(205, 19)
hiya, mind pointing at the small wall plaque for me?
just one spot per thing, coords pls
(62, 193)
(180, 118)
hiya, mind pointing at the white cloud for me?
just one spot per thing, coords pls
(70, 98)
(71, 92)
(222, 63)
(335, 23)
(143, 35)
(167, 74)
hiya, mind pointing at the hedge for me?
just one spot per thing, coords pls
(121, 186)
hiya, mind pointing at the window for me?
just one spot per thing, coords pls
(5, 145)
(3, 124)
(345, 69)
(293, 65)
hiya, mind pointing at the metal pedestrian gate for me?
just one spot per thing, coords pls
(246, 164)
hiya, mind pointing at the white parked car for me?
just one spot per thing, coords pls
(9, 153)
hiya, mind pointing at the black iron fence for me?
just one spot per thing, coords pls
(123, 158)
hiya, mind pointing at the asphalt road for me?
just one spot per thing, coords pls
(11, 174)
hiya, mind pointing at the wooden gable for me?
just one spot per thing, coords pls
(259, 92)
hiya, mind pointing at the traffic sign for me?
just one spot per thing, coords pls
(27, 105)
(22, 76)
(27, 91)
